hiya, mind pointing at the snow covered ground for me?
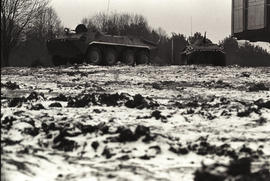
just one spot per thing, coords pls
(131, 123)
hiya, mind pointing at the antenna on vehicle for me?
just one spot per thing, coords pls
(107, 14)
(191, 3)
(191, 25)
(204, 38)
(108, 8)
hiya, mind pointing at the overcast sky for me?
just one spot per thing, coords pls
(212, 16)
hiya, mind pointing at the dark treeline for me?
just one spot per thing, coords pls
(244, 55)
(26, 25)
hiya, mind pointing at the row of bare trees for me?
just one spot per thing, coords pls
(46, 25)
(23, 20)
(136, 25)
(124, 24)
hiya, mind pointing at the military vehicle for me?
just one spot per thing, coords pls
(203, 51)
(94, 47)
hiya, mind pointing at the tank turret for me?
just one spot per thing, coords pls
(203, 51)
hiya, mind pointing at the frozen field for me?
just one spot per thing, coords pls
(132, 123)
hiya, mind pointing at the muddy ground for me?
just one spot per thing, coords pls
(135, 123)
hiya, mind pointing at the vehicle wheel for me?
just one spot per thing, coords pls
(94, 56)
(110, 56)
(129, 57)
(57, 60)
(142, 57)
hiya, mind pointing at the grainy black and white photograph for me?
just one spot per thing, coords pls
(135, 90)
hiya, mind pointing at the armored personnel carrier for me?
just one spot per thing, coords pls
(203, 51)
(94, 47)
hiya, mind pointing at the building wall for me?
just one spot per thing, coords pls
(251, 19)
(256, 14)
(268, 15)
(238, 18)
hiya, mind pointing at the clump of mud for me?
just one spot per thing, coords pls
(137, 101)
(96, 99)
(237, 170)
(37, 107)
(258, 87)
(245, 74)
(126, 135)
(262, 103)
(140, 102)
(10, 85)
(217, 84)
(60, 97)
(32, 97)
(16, 102)
(203, 147)
(55, 104)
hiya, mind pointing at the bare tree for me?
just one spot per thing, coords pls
(100, 21)
(89, 24)
(16, 17)
(195, 37)
(47, 25)
(119, 24)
